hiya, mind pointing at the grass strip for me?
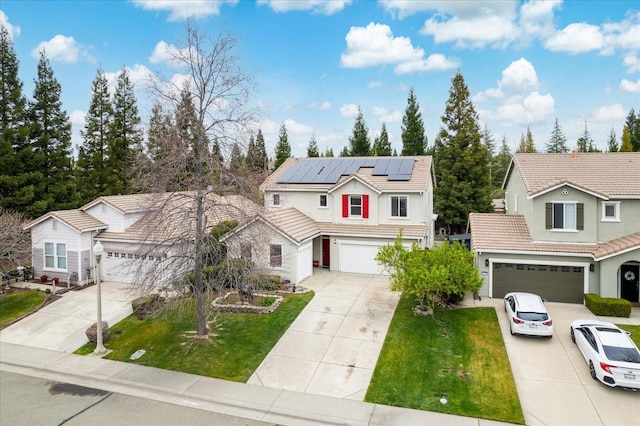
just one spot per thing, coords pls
(16, 305)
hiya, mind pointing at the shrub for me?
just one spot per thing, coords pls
(607, 306)
(264, 282)
(92, 332)
(144, 307)
(267, 301)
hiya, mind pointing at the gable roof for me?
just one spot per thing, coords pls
(605, 174)
(421, 173)
(510, 233)
(132, 203)
(75, 219)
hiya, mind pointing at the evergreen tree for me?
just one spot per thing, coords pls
(558, 141)
(92, 170)
(125, 137)
(159, 134)
(531, 146)
(395, 153)
(359, 145)
(344, 152)
(522, 146)
(633, 124)
(261, 151)
(490, 146)
(253, 160)
(312, 148)
(50, 138)
(381, 144)
(461, 161)
(237, 159)
(328, 152)
(626, 145)
(414, 142)
(500, 165)
(16, 190)
(216, 153)
(283, 149)
(585, 142)
(612, 143)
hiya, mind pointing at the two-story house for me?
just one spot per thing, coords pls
(572, 226)
(336, 213)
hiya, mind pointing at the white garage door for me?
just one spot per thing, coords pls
(117, 269)
(358, 258)
(305, 262)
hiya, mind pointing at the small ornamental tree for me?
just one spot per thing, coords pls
(441, 274)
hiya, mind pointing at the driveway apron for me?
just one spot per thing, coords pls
(332, 347)
(61, 325)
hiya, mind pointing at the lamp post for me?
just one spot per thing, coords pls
(97, 252)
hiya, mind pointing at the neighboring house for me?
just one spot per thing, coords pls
(335, 213)
(572, 226)
(140, 232)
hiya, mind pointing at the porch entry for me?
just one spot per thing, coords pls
(326, 252)
(630, 282)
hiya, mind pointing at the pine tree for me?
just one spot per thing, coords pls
(531, 146)
(92, 171)
(253, 161)
(344, 152)
(612, 143)
(414, 142)
(558, 141)
(381, 144)
(257, 154)
(461, 161)
(500, 165)
(633, 124)
(125, 137)
(585, 143)
(359, 145)
(237, 159)
(626, 145)
(312, 148)
(490, 146)
(328, 152)
(262, 151)
(16, 191)
(283, 149)
(50, 138)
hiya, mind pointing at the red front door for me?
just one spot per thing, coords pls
(325, 252)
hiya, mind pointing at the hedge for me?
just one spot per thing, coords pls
(607, 306)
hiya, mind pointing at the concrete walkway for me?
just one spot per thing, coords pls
(333, 346)
(61, 325)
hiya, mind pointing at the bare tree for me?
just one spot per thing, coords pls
(15, 243)
(211, 107)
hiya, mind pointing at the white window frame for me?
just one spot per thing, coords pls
(56, 256)
(271, 256)
(398, 197)
(515, 203)
(326, 201)
(352, 206)
(275, 200)
(616, 206)
(564, 216)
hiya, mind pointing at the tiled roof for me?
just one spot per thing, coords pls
(509, 232)
(125, 203)
(608, 174)
(384, 231)
(422, 170)
(76, 219)
(293, 223)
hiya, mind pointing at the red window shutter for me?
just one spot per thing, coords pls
(365, 206)
(345, 205)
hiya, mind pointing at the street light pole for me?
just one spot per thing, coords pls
(100, 349)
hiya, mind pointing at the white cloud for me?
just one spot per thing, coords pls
(631, 62)
(295, 128)
(623, 35)
(375, 45)
(386, 116)
(323, 106)
(532, 109)
(182, 9)
(609, 113)
(536, 18)
(13, 30)
(576, 38)
(374, 84)
(139, 76)
(77, 118)
(165, 53)
(518, 78)
(326, 7)
(630, 86)
(64, 49)
(349, 110)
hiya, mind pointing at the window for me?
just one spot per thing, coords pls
(399, 206)
(55, 256)
(275, 255)
(355, 205)
(276, 199)
(565, 216)
(611, 211)
(322, 200)
(245, 250)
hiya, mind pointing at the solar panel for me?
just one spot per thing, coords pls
(330, 170)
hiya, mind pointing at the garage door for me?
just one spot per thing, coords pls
(358, 258)
(554, 283)
(117, 269)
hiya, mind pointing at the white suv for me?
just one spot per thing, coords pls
(527, 314)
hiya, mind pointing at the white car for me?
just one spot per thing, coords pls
(612, 356)
(528, 315)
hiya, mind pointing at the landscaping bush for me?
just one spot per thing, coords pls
(143, 307)
(607, 306)
(92, 332)
(265, 282)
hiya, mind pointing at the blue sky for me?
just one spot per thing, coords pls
(316, 61)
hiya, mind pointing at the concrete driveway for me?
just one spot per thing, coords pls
(61, 325)
(333, 346)
(553, 379)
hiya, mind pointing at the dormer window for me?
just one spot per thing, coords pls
(276, 200)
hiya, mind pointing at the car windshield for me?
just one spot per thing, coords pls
(533, 316)
(615, 353)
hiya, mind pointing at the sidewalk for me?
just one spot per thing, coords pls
(237, 399)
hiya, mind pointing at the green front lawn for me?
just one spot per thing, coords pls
(454, 354)
(240, 343)
(634, 330)
(17, 305)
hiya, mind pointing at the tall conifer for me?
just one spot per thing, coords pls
(414, 141)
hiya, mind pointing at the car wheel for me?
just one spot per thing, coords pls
(573, 336)
(592, 370)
